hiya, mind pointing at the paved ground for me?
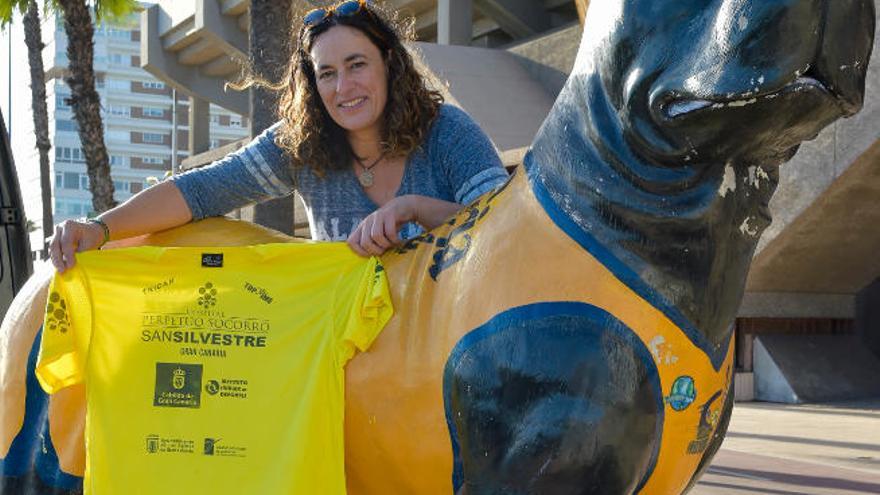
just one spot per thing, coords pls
(829, 449)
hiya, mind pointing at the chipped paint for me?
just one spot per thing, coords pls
(748, 230)
(728, 184)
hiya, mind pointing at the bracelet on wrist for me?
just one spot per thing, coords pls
(104, 227)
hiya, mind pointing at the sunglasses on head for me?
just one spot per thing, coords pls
(344, 9)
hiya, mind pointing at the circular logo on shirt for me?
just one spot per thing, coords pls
(212, 387)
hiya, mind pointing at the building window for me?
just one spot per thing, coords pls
(84, 182)
(61, 102)
(63, 153)
(120, 84)
(153, 84)
(154, 138)
(154, 160)
(154, 112)
(117, 161)
(119, 33)
(59, 181)
(214, 143)
(235, 121)
(71, 180)
(120, 111)
(120, 186)
(66, 125)
(120, 59)
(215, 119)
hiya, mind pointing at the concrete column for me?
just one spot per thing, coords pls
(868, 316)
(455, 21)
(199, 126)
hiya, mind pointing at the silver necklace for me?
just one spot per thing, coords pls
(367, 176)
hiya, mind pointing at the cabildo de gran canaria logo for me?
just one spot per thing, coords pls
(56, 313)
(178, 385)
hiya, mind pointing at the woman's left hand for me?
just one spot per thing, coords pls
(378, 232)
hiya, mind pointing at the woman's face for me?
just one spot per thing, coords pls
(352, 78)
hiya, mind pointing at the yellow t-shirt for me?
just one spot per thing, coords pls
(213, 370)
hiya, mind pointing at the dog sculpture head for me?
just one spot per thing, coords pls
(662, 150)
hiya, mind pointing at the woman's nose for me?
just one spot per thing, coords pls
(343, 83)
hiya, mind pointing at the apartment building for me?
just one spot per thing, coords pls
(137, 117)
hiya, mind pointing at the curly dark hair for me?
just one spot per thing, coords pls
(308, 133)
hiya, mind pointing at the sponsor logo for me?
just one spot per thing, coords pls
(259, 291)
(156, 444)
(212, 387)
(212, 260)
(209, 445)
(178, 385)
(207, 295)
(152, 444)
(157, 286)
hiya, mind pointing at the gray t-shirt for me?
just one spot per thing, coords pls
(457, 162)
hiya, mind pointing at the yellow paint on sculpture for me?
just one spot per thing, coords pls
(20, 327)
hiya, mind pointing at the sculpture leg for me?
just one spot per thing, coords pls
(552, 398)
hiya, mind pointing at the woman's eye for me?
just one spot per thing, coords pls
(325, 75)
(358, 65)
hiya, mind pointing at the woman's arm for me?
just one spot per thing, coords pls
(378, 232)
(254, 173)
(156, 208)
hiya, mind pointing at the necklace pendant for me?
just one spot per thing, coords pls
(366, 178)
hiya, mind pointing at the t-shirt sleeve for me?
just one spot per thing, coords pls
(362, 307)
(257, 172)
(67, 329)
(467, 155)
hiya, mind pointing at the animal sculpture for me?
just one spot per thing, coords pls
(570, 333)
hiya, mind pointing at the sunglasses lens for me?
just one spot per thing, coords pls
(348, 8)
(314, 17)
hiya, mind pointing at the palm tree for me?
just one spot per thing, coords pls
(85, 103)
(33, 38)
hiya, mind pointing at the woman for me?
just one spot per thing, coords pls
(375, 154)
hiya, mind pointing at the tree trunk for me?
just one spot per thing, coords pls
(85, 101)
(270, 51)
(34, 41)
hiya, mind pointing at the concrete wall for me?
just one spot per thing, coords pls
(550, 57)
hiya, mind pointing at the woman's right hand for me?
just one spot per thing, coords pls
(71, 237)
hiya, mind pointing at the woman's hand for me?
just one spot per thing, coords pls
(71, 237)
(378, 232)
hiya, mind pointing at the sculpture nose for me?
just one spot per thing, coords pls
(758, 47)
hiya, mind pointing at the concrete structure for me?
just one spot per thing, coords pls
(810, 264)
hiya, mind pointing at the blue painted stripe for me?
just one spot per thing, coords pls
(519, 316)
(622, 271)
